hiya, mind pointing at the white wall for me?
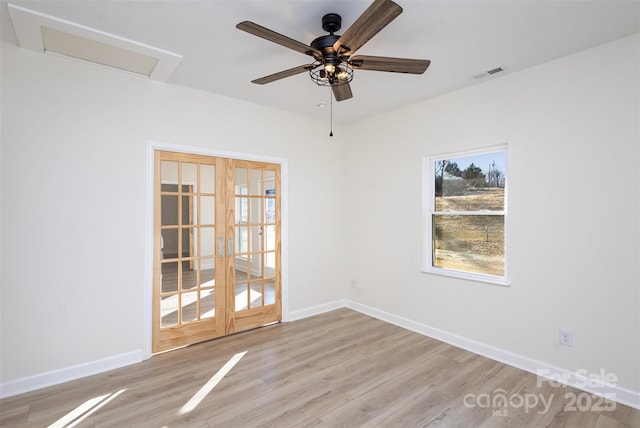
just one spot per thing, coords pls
(73, 202)
(573, 217)
(73, 215)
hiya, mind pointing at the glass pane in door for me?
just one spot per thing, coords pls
(189, 304)
(255, 235)
(169, 311)
(169, 277)
(187, 210)
(207, 178)
(207, 304)
(189, 176)
(256, 182)
(242, 297)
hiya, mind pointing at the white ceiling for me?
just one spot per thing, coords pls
(461, 38)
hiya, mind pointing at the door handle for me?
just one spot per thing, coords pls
(230, 247)
(220, 247)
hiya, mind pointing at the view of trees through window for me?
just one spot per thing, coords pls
(467, 216)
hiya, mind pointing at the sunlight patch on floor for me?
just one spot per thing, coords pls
(211, 383)
(84, 410)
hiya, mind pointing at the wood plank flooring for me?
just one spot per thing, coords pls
(339, 369)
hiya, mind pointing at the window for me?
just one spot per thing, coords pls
(465, 211)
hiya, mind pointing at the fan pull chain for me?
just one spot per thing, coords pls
(331, 112)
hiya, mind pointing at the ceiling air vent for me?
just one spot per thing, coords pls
(45, 33)
(94, 51)
(488, 73)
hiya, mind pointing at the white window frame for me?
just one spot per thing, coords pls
(428, 203)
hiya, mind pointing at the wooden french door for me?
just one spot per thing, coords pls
(216, 247)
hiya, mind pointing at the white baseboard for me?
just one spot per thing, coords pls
(55, 377)
(577, 380)
(316, 310)
(31, 383)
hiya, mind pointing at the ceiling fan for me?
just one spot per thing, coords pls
(333, 63)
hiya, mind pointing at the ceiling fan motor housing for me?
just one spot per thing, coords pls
(331, 22)
(325, 45)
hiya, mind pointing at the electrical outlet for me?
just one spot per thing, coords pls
(566, 337)
(354, 283)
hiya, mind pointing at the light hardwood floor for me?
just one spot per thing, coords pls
(339, 369)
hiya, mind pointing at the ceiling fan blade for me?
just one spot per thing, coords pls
(395, 65)
(372, 20)
(342, 92)
(286, 73)
(272, 36)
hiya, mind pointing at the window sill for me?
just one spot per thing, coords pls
(489, 279)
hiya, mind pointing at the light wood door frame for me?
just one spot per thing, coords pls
(228, 318)
(147, 296)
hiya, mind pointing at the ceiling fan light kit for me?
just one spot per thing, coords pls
(334, 62)
(331, 75)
